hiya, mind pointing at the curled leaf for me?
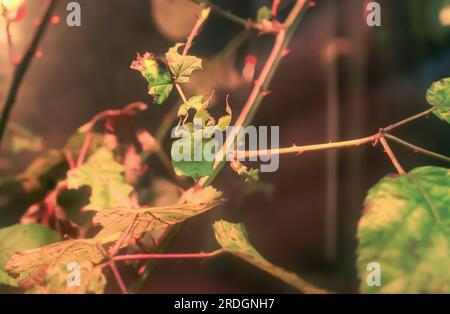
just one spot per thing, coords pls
(157, 76)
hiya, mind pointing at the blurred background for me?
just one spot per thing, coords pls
(341, 80)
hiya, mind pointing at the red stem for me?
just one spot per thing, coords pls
(167, 256)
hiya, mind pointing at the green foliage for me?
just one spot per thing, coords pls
(234, 239)
(157, 76)
(18, 238)
(182, 66)
(194, 153)
(439, 95)
(405, 228)
(264, 13)
(105, 178)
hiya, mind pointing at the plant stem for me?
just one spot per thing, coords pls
(22, 67)
(300, 149)
(118, 277)
(351, 143)
(417, 149)
(180, 91)
(168, 256)
(261, 84)
(391, 155)
(228, 15)
(407, 120)
(195, 30)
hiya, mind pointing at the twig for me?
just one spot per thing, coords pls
(195, 30)
(407, 120)
(8, 33)
(417, 149)
(180, 91)
(230, 16)
(281, 41)
(22, 67)
(84, 149)
(115, 249)
(301, 149)
(168, 256)
(351, 143)
(118, 277)
(275, 4)
(391, 155)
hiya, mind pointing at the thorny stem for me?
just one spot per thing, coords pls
(343, 144)
(22, 67)
(407, 120)
(261, 84)
(391, 155)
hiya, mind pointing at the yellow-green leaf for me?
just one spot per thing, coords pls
(405, 229)
(18, 238)
(439, 95)
(234, 239)
(182, 66)
(105, 178)
(116, 220)
(158, 78)
(30, 267)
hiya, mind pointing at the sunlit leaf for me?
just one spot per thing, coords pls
(234, 239)
(18, 238)
(182, 66)
(439, 95)
(106, 179)
(158, 78)
(405, 229)
(92, 280)
(30, 267)
(193, 156)
(116, 220)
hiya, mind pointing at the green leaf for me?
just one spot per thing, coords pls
(18, 238)
(234, 239)
(116, 220)
(224, 122)
(264, 13)
(158, 78)
(439, 95)
(193, 155)
(405, 228)
(196, 103)
(182, 66)
(105, 178)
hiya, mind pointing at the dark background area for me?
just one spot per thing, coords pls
(379, 76)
